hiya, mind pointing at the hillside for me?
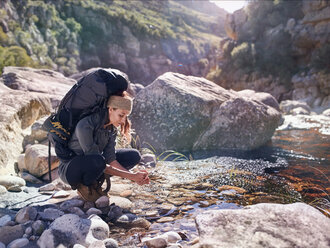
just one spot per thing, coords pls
(141, 38)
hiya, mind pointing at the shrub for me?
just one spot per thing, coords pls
(14, 56)
(243, 56)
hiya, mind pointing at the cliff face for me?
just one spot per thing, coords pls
(281, 47)
(142, 38)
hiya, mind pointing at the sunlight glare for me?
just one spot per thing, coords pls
(230, 5)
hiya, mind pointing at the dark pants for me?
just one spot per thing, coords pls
(86, 169)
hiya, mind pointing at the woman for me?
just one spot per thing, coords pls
(93, 141)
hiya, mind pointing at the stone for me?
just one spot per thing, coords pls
(263, 97)
(126, 193)
(149, 159)
(47, 187)
(102, 202)
(14, 188)
(36, 159)
(82, 231)
(110, 243)
(88, 205)
(11, 181)
(50, 214)
(165, 219)
(38, 227)
(288, 105)
(156, 242)
(4, 220)
(18, 243)
(71, 203)
(2, 245)
(30, 178)
(233, 188)
(61, 194)
(93, 211)
(11, 233)
(172, 237)
(118, 188)
(97, 244)
(77, 211)
(186, 113)
(21, 162)
(78, 246)
(121, 202)
(299, 111)
(28, 230)
(38, 134)
(326, 112)
(25, 214)
(264, 225)
(3, 190)
(54, 175)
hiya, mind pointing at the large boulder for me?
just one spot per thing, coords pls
(186, 113)
(264, 225)
(19, 110)
(54, 84)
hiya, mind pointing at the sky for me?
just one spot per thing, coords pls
(229, 5)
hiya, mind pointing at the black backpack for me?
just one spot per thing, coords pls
(89, 95)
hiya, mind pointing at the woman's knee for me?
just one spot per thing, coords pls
(128, 157)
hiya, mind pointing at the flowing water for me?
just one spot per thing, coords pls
(293, 167)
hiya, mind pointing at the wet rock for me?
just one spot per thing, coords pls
(71, 203)
(264, 225)
(165, 219)
(151, 213)
(50, 214)
(126, 193)
(93, 211)
(172, 237)
(326, 112)
(121, 202)
(156, 242)
(102, 202)
(118, 188)
(110, 243)
(233, 188)
(11, 181)
(18, 243)
(114, 212)
(4, 220)
(11, 233)
(26, 214)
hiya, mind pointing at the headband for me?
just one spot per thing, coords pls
(120, 103)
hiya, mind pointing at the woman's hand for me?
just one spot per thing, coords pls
(141, 177)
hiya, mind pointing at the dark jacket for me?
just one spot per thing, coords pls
(90, 137)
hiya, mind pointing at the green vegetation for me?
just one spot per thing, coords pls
(14, 56)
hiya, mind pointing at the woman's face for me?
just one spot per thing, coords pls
(117, 116)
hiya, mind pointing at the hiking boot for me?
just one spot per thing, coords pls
(90, 193)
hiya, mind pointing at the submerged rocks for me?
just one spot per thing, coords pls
(264, 225)
(186, 113)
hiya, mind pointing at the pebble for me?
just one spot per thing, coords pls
(47, 187)
(165, 219)
(26, 214)
(194, 241)
(4, 220)
(18, 243)
(3, 190)
(38, 227)
(71, 203)
(61, 194)
(14, 188)
(156, 242)
(2, 245)
(172, 237)
(102, 202)
(88, 205)
(110, 243)
(78, 246)
(28, 230)
(151, 213)
(77, 211)
(10, 181)
(93, 211)
(126, 193)
(50, 214)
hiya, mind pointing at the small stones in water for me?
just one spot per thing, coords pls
(228, 188)
(186, 208)
(156, 242)
(77, 211)
(165, 219)
(151, 213)
(38, 227)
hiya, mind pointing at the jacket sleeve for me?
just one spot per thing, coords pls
(85, 134)
(109, 152)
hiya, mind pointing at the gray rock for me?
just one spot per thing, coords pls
(38, 227)
(69, 229)
(299, 111)
(4, 220)
(110, 243)
(288, 105)
(2, 245)
(11, 233)
(36, 159)
(263, 97)
(97, 244)
(264, 225)
(50, 214)
(26, 214)
(93, 211)
(28, 231)
(14, 188)
(30, 178)
(172, 237)
(156, 242)
(61, 194)
(47, 187)
(186, 113)
(11, 181)
(71, 203)
(121, 202)
(149, 159)
(18, 243)
(326, 112)
(77, 211)
(78, 246)
(102, 202)
(54, 175)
